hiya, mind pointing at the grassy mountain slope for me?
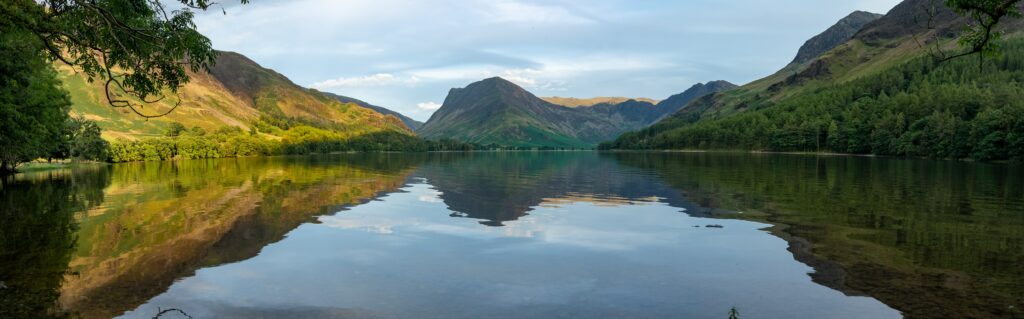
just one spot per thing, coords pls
(236, 92)
(876, 93)
(409, 122)
(578, 102)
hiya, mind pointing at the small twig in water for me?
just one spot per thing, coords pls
(165, 311)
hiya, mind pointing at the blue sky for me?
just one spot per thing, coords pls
(407, 54)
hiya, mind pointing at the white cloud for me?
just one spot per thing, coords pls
(428, 106)
(528, 13)
(379, 79)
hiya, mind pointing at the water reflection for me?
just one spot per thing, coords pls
(403, 257)
(497, 188)
(546, 234)
(37, 236)
(935, 239)
(162, 221)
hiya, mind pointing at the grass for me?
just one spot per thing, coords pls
(48, 166)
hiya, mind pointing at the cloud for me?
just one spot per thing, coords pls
(528, 13)
(379, 79)
(428, 106)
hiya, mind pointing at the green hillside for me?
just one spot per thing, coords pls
(409, 122)
(878, 93)
(496, 111)
(236, 92)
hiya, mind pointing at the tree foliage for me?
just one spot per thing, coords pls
(33, 106)
(175, 129)
(981, 36)
(140, 49)
(84, 140)
(299, 139)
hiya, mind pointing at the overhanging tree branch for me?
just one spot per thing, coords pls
(138, 48)
(980, 34)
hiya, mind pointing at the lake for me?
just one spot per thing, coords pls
(517, 235)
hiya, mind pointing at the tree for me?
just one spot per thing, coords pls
(175, 129)
(139, 48)
(86, 142)
(33, 106)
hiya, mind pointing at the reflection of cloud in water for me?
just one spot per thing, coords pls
(578, 220)
(431, 198)
(225, 310)
(532, 295)
(431, 195)
(599, 200)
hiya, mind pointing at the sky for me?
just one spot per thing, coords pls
(407, 54)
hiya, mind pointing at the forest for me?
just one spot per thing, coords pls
(923, 108)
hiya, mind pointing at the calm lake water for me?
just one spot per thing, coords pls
(517, 235)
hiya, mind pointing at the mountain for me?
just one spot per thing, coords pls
(838, 34)
(496, 111)
(236, 92)
(880, 92)
(577, 102)
(676, 102)
(411, 123)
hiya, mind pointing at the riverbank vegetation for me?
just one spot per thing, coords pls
(193, 143)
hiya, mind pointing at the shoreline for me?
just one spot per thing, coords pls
(34, 166)
(827, 154)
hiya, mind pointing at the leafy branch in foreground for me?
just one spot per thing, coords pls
(140, 49)
(980, 35)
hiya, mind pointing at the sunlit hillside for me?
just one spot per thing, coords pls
(236, 92)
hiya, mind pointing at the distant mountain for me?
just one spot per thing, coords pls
(577, 102)
(838, 34)
(676, 102)
(496, 111)
(236, 92)
(411, 123)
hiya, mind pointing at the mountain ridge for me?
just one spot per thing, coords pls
(588, 102)
(837, 34)
(497, 111)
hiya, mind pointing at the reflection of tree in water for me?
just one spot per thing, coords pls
(37, 236)
(933, 239)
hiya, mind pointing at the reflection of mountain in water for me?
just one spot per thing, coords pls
(162, 222)
(932, 239)
(500, 187)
